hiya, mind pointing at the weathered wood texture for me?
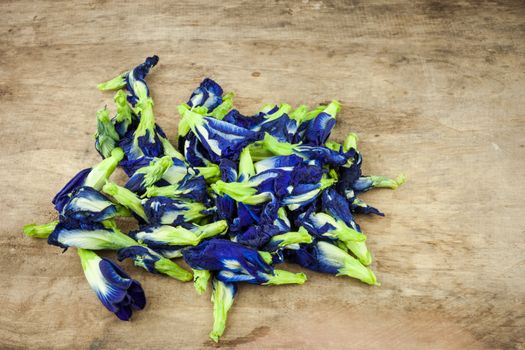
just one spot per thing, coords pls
(434, 89)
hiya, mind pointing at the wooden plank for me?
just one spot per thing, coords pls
(434, 89)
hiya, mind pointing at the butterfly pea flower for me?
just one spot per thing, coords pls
(323, 225)
(89, 205)
(325, 257)
(200, 280)
(336, 206)
(247, 122)
(40, 231)
(304, 194)
(359, 206)
(320, 127)
(124, 119)
(350, 142)
(92, 177)
(219, 254)
(222, 297)
(153, 262)
(320, 153)
(190, 187)
(279, 277)
(106, 137)
(289, 162)
(117, 291)
(221, 110)
(289, 238)
(259, 152)
(169, 211)
(210, 172)
(278, 124)
(208, 95)
(126, 198)
(162, 236)
(366, 183)
(148, 175)
(221, 139)
(93, 236)
(195, 153)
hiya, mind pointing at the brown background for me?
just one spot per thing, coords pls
(434, 89)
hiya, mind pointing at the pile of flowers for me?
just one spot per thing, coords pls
(238, 196)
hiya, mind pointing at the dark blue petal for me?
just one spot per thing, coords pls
(236, 118)
(88, 204)
(208, 94)
(142, 256)
(319, 129)
(337, 206)
(131, 166)
(62, 197)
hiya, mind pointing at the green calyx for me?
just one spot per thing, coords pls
(126, 198)
(299, 113)
(211, 230)
(266, 256)
(277, 148)
(87, 257)
(246, 168)
(334, 146)
(237, 190)
(209, 172)
(154, 171)
(123, 107)
(284, 108)
(200, 280)
(360, 250)
(169, 150)
(147, 120)
(106, 135)
(221, 110)
(350, 142)
(170, 191)
(293, 237)
(190, 120)
(114, 84)
(174, 235)
(333, 108)
(170, 268)
(222, 299)
(258, 152)
(40, 231)
(285, 277)
(385, 182)
(103, 170)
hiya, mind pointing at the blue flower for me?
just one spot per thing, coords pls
(92, 177)
(135, 80)
(323, 225)
(325, 257)
(304, 194)
(190, 187)
(236, 118)
(360, 207)
(117, 291)
(148, 175)
(91, 236)
(279, 162)
(125, 119)
(221, 139)
(89, 205)
(194, 151)
(319, 128)
(220, 254)
(278, 277)
(365, 183)
(153, 262)
(258, 235)
(63, 196)
(169, 211)
(208, 94)
(337, 206)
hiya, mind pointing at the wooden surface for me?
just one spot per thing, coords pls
(434, 89)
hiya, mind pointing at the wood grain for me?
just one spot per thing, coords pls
(434, 89)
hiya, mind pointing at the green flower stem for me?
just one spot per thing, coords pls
(266, 256)
(211, 230)
(222, 299)
(385, 182)
(293, 237)
(154, 171)
(221, 110)
(350, 142)
(360, 250)
(277, 148)
(246, 167)
(114, 84)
